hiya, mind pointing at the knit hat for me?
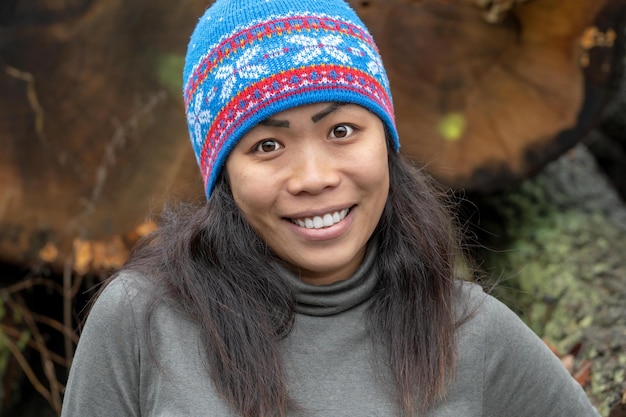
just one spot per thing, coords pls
(250, 59)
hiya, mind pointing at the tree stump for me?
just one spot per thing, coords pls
(487, 92)
(92, 126)
(94, 137)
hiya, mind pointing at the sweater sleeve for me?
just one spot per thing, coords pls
(104, 376)
(523, 378)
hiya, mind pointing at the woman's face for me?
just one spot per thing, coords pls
(313, 181)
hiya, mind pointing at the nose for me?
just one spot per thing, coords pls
(313, 169)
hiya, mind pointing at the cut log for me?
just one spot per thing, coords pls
(93, 134)
(92, 126)
(484, 104)
(558, 243)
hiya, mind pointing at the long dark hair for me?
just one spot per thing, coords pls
(217, 268)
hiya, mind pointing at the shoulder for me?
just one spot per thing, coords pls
(471, 303)
(475, 305)
(127, 292)
(104, 376)
(520, 375)
(499, 337)
(502, 332)
(117, 309)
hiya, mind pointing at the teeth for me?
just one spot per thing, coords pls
(318, 222)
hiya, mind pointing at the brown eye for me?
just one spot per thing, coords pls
(266, 146)
(341, 131)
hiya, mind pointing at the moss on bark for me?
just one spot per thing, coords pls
(558, 242)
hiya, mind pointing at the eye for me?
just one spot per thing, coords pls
(341, 131)
(267, 145)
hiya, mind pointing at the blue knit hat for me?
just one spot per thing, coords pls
(250, 59)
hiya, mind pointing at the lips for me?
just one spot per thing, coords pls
(319, 222)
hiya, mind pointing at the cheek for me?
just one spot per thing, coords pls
(240, 185)
(382, 185)
(378, 186)
(376, 171)
(251, 196)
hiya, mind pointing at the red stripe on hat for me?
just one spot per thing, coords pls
(280, 87)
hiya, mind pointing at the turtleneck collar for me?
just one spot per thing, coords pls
(326, 300)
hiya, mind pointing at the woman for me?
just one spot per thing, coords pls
(319, 277)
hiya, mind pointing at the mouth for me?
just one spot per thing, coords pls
(322, 221)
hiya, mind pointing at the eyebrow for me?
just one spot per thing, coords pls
(328, 110)
(315, 118)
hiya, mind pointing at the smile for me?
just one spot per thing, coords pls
(319, 222)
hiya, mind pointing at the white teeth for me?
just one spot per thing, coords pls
(317, 222)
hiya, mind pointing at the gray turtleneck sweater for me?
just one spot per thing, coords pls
(504, 369)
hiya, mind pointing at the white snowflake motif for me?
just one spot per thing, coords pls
(375, 66)
(242, 69)
(198, 116)
(313, 47)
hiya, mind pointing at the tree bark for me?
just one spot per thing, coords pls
(559, 242)
(487, 104)
(92, 127)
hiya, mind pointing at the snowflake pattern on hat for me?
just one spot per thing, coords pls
(311, 48)
(198, 117)
(242, 69)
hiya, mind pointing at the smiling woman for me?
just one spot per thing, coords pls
(320, 277)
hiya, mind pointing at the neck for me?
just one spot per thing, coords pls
(320, 299)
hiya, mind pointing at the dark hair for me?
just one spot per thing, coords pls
(243, 310)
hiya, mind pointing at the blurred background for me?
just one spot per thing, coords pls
(517, 106)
